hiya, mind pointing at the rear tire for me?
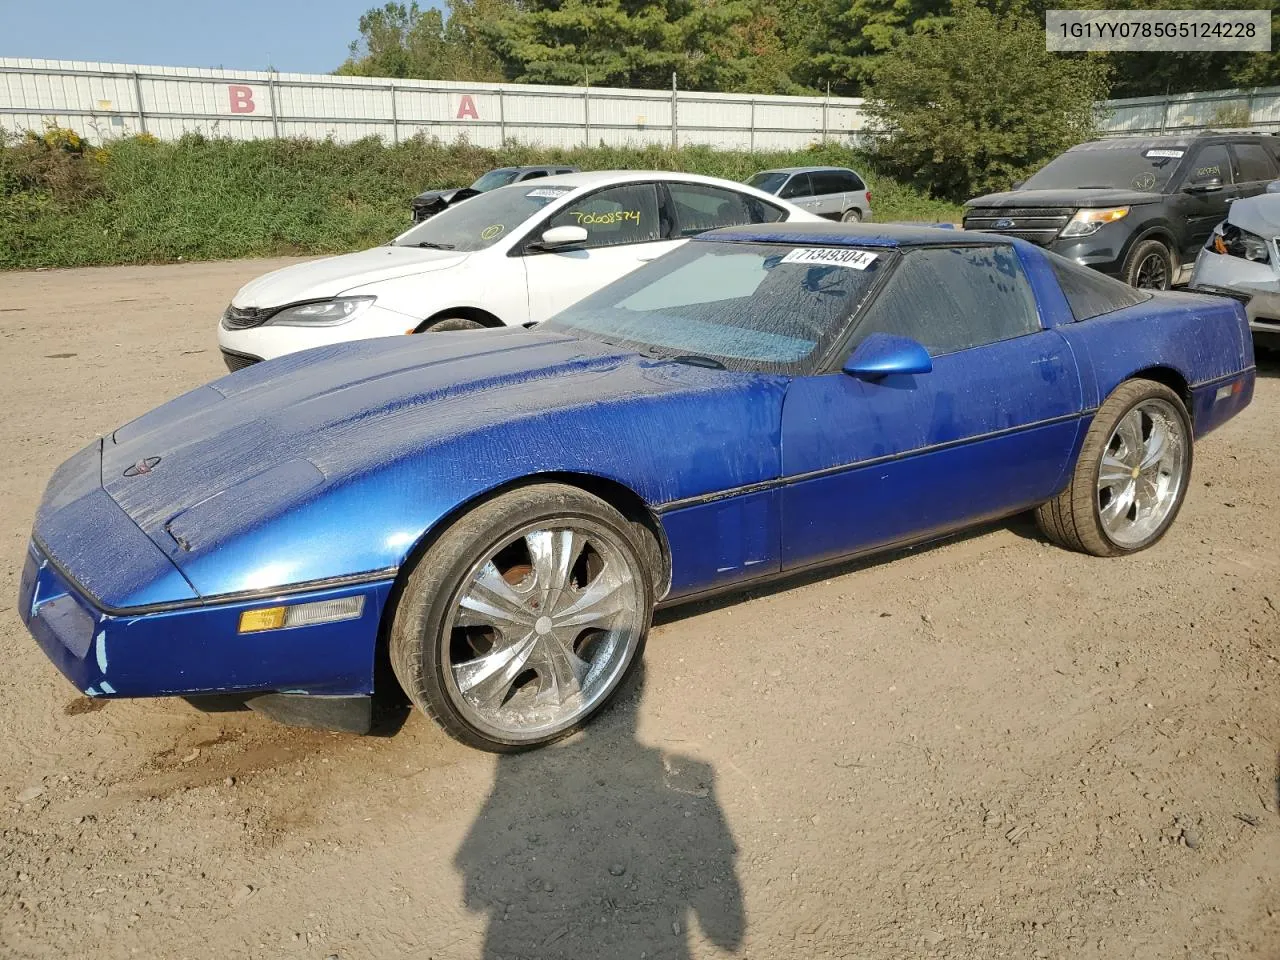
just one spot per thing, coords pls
(1117, 502)
(451, 323)
(1150, 266)
(852, 215)
(522, 620)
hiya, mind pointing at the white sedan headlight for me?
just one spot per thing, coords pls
(323, 313)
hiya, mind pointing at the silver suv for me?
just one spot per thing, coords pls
(832, 192)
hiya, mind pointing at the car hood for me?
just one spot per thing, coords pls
(426, 196)
(260, 474)
(331, 276)
(1260, 214)
(1098, 197)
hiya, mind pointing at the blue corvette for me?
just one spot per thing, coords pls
(495, 514)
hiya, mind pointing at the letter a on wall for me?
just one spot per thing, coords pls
(467, 108)
(241, 98)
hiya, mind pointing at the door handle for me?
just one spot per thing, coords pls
(652, 256)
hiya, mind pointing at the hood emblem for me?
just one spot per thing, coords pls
(142, 467)
(1004, 223)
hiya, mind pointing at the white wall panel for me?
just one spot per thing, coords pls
(101, 101)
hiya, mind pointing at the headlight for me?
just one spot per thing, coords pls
(325, 313)
(1088, 222)
(1229, 240)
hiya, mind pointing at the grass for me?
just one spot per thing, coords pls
(64, 203)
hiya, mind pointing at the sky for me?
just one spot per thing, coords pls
(294, 36)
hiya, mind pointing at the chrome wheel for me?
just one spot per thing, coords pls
(1153, 273)
(542, 628)
(1141, 473)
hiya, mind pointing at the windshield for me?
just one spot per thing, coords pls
(748, 306)
(494, 179)
(1121, 166)
(768, 182)
(481, 221)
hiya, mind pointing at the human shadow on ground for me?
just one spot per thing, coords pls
(602, 847)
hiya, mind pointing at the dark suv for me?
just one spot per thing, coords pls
(1136, 208)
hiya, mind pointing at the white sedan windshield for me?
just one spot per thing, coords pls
(482, 220)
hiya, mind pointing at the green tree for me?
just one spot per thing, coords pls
(624, 43)
(972, 106)
(405, 41)
(843, 40)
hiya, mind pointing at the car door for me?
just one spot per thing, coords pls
(990, 430)
(1202, 211)
(828, 194)
(1252, 168)
(626, 226)
(799, 190)
(698, 207)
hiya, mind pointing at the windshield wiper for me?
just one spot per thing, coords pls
(696, 360)
(430, 245)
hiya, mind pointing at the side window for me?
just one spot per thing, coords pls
(1212, 161)
(1089, 293)
(855, 182)
(1252, 163)
(827, 182)
(534, 175)
(699, 208)
(617, 215)
(954, 298)
(797, 186)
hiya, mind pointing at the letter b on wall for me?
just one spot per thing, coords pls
(241, 98)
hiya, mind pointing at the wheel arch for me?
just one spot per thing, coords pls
(1157, 230)
(474, 314)
(1171, 378)
(615, 493)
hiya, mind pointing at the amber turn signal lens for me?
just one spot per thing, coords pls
(268, 618)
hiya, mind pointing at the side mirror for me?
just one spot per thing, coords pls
(1273, 186)
(565, 236)
(1204, 185)
(1017, 184)
(882, 354)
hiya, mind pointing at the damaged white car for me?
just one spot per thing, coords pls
(1242, 260)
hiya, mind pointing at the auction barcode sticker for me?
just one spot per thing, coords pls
(855, 259)
(549, 193)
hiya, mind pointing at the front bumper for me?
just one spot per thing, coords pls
(195, 647)
(1231, 276)
(269, 341)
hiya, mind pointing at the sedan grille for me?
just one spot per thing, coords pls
(242, 318)
(238, 361)
(1040, 225)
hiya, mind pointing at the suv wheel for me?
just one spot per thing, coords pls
(1150, 266)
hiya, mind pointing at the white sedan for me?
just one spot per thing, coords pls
(513, 255)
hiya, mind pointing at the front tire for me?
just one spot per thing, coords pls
(451, 323)
(521, 621)
(1131, 476)
(1150, 266)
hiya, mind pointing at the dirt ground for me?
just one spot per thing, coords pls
(987, 748)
